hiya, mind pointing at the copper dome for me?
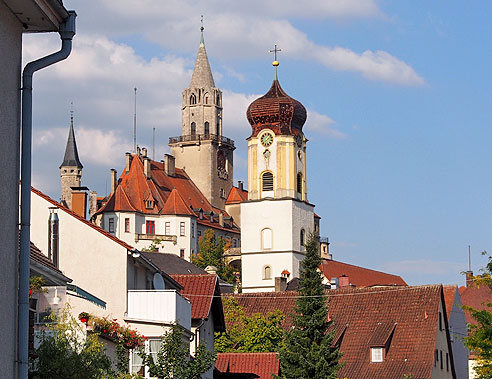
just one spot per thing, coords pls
(276, 111)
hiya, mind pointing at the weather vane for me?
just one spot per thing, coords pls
(275, 62)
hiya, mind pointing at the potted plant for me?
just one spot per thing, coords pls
(84, 317)
(36, 284)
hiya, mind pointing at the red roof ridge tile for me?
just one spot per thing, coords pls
(88, 223)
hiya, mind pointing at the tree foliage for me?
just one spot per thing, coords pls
(212, 254)
(66, 353)
(479, 339)
(249, 334)
(308, 352)
(173, 359)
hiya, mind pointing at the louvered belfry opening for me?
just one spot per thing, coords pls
(267, 181)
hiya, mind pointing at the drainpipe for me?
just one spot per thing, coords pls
(67, 31)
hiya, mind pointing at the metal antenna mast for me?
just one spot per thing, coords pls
(135, 121)
(153, 144)
(469, 258)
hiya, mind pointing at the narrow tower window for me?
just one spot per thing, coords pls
(193, 99)
(267, 181)
(218, 99)
(193, 128)
(207, 128)
(299, 183)
(303, 236)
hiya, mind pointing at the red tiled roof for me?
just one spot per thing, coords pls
(175, 205)
(200, 290)
(134, 187)
(236, 196)
(359, 276)
(261, 364)
(362, 311)
(449, 294)
(81, 219)
(476, 297)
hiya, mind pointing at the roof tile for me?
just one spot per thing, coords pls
(261, 364)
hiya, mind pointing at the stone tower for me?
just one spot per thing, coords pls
(277, 218)
(201, 150)
(70, 169)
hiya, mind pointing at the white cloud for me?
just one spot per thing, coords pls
(324, 125)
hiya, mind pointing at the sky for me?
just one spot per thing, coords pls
(397, 93)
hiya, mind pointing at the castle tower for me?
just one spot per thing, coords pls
(70, 169)
(277, 218)
(201, 150)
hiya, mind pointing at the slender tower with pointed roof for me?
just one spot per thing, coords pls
(201, 150)
(71, 168)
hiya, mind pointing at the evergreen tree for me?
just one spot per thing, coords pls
(308, 352)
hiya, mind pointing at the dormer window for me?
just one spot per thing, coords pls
(149, 204)
(376, 354)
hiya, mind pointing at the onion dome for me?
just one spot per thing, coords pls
(276, 111)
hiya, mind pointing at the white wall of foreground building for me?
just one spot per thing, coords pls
(271, 236)
(10, 73)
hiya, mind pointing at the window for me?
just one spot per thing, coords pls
(376, 354)
(234, 242)
(206, 99)
(267, 272)
(137, 366)
(218, 99)
(150, 227)
(299, 183)
(440, 357)
(127, 225)
(447, 362)
(149, 204)
(222, 193)
(182, 253)
(111, 225)
(167, 228)
(193, 99)
(303, 233)
(192, 230)
(193, 128)
(218, 128)
(267, 181)
(440, 321)
(199, 233)
(207, 128)
(436, 357)
(266, 239)
(182, 228)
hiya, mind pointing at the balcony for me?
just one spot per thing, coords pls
(197, 138)
(151, 237)
(160, 307)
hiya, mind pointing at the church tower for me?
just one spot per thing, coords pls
(201, 150)
(277, 218)
(70, 169)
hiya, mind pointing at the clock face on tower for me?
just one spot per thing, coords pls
(266, 139)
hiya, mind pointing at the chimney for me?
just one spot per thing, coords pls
(169, 165)
(144, 152)
(138, 152)
(53, 227)
(128, 157)
(221, 219)
(146, 163)
(343, 281)
(280, 284)
(240, 185)
(113, 180)
(92, 203)
(79, 202)
(469, 278)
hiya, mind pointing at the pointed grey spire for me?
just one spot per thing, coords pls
(71, 154)
(202, 74)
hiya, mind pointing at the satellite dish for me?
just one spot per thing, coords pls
(159, 282)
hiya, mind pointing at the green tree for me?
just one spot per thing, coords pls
(66, 353)
(249, 334)
(308, 352)
(212, 254)
(479, 339)
(173, 359)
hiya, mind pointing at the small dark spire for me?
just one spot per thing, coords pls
(71, 154)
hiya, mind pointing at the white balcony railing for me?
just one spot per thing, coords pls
(161, 306)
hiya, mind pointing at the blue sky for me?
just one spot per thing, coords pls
(398, 99)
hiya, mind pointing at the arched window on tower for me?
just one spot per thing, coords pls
(303, 237)
(266, 239)
(217, 128)
(193, 128)
(205, 98)
(193, 99)
(218, 99)
(299, 183)
(267, 272)
(267, 181)
(207, 128)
